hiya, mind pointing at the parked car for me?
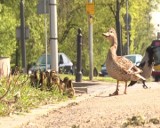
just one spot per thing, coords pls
(65, 64)
(103, 71)
(135, 58)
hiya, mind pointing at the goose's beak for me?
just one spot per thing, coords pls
(106, 34)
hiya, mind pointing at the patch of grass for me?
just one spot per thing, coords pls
(134, 121)
(154, 121)
(139, 121)
(105, 79)
(86, 78)
(75, 126)
(31, 97)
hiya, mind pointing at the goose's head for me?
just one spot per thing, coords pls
(151, 55)
(111, 35)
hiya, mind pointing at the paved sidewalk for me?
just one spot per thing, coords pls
(93, 89)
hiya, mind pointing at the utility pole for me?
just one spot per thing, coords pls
(127, 20)
(45, 31)
(127, 27)
(118, 29)
(53, 35)
(158, 32)
(23, 47)
(90, 30)
(42, 8)
(17, 54)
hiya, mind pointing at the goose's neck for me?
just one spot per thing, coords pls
(113, 48)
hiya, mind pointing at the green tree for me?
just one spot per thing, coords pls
(71, 16)
(7, 31)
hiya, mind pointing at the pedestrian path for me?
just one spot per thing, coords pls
(93, 89)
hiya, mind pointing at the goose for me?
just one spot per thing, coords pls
(146, 66)
(119, 67)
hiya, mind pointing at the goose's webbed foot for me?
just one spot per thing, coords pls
(115, 93)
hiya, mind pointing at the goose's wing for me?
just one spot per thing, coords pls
(126, 65)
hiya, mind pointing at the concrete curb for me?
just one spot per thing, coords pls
(86, 83)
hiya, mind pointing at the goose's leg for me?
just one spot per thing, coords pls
(116, 92)
(125, 90)
(144, 85)
(117, 86)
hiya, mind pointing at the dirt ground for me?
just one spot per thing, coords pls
(140, 106)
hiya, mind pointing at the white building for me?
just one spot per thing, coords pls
(155, 20)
